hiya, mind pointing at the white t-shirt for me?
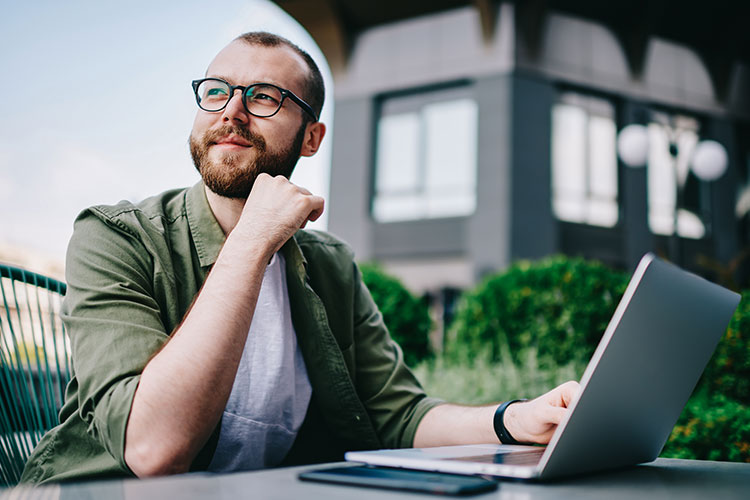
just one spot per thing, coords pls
(271, 391)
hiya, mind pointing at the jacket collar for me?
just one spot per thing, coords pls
(206, 231)
(209, 237)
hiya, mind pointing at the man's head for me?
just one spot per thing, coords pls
(232, 146)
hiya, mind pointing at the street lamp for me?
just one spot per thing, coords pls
(708, 162)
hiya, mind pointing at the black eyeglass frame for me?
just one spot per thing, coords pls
(284, 94)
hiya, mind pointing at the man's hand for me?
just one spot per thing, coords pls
(535, 421)
(275, 210)
(528, 422)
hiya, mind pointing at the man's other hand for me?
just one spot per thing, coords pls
(535, 421)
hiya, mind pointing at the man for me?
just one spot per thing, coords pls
(209, 332)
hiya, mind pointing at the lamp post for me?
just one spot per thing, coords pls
(708, 162)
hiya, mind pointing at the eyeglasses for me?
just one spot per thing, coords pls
(260, 99)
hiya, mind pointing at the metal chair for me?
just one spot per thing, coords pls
(34, 365)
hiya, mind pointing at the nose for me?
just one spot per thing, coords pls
(235, 111)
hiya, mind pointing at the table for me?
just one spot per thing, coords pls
(664, 478)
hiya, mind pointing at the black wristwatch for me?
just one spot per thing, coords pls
(502, 433)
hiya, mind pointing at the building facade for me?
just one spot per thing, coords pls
(471, 134)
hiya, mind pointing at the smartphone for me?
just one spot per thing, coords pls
(401, 479)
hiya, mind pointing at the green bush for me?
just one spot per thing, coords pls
(711, 428)
(728, 373)
(557, 307)
(407, 318)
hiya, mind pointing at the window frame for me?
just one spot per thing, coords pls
(417, 99)
(586, 98)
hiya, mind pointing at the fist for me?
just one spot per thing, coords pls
(535, 421)
(275, 210)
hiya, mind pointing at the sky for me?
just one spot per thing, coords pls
(75, 127)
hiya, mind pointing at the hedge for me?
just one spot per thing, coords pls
(728, 373)
(711, 428)
(558, 307)
(407, 317)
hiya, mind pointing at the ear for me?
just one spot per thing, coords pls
(314, 133)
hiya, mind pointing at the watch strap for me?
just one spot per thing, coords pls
(502, 433)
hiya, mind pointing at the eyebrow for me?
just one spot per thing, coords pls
(231, 81)
(222, 77)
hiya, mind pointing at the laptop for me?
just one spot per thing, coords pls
(639, 379)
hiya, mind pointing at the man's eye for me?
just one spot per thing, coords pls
(216, 92)
(259, 96)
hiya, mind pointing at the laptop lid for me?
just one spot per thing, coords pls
(644, 370)
(640, 377)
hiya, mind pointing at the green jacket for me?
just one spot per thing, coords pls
(133, 271)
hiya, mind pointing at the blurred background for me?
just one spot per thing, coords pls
(473, 133)
(499, 167)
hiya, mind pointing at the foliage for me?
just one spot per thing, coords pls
(407, 318)
(728, 373)
(556, 307)
(481, 380)
(711, 428)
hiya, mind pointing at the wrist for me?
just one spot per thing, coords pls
(248, 248)
(501, 430)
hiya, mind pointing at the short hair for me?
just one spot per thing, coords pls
(314, 88)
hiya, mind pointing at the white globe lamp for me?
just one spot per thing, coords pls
(709, 160)
(633, 145)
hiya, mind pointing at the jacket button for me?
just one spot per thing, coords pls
(357, 418)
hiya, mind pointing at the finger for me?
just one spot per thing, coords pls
(554, 415)
(570, 392)
(318, 207)
(562, 395)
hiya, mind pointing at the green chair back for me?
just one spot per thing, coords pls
(34, 365)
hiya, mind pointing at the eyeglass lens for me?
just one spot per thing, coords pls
(260, 100)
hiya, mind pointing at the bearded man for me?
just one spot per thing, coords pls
(209, 332)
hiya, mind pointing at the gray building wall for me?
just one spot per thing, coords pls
(534, 228)
(490, 226)
(351, 171)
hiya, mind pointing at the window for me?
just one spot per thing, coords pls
(666, 173)
(426, 156)
(584, 161)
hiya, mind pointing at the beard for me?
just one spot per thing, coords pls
(232, 177)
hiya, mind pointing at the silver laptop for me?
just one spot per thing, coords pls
(649, 360)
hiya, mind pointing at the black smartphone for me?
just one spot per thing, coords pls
(401, 479)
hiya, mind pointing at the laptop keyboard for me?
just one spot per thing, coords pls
(531, 457)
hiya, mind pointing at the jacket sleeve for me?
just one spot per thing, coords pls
(392, 395)
(113, 322)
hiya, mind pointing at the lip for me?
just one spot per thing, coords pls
(233, 140)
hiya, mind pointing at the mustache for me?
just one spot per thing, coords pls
(213, 136)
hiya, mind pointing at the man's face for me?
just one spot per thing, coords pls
(231, 147)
